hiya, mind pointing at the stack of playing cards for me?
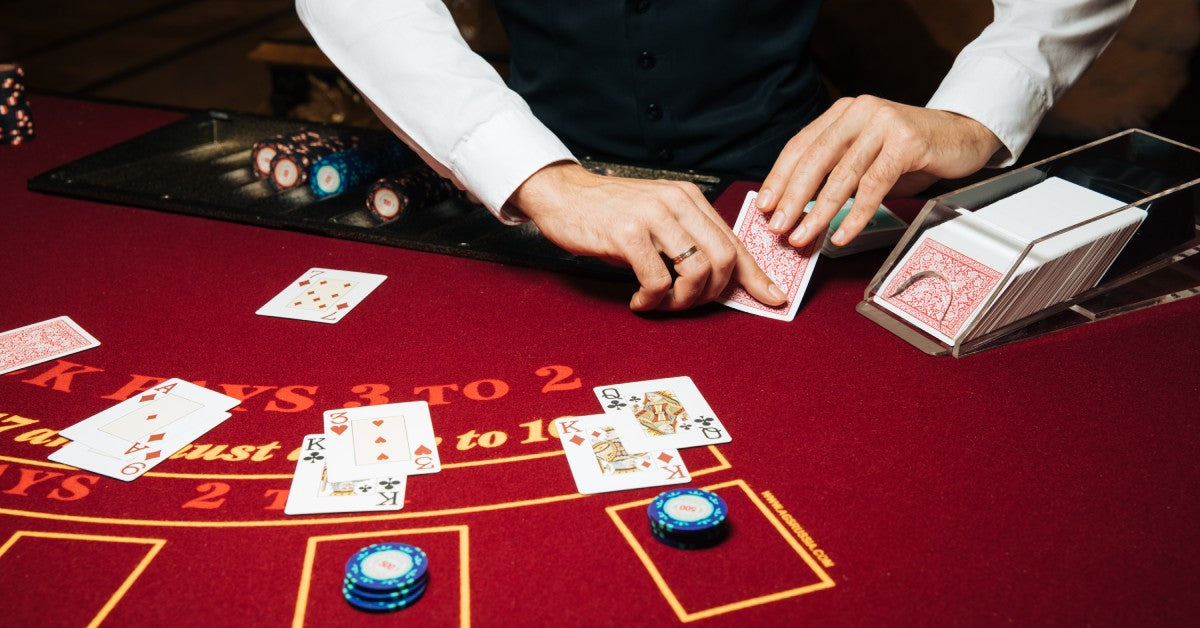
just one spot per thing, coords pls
(947, 277)
(134, 436)
(636, 442)
(884, 229)
(361, 462)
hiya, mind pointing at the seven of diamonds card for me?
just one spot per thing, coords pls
(39, 342)
(660, 413)
(322, 295)
(601, 462)
(390, 439)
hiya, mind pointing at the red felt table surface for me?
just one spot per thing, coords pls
(1051, 481)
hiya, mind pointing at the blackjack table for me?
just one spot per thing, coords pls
(1050, 481)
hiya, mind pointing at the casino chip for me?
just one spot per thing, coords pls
(16, 120)
(386, 577)
(382, 604)
(689, 518)
(414, 188)
(264, 151)
(285, 160)
(333, 174)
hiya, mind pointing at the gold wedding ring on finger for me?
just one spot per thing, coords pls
(684, 255)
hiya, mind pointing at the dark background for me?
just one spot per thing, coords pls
(254, 56)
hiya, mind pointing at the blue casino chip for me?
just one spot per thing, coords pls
(333, 174)
(687, 510)
(692, 542)
(382, 596)
(361, 602)
(386, 567)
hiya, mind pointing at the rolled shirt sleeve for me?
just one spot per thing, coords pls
(1019, 66)
(408, 60)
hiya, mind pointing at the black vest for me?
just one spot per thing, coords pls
(711, 85)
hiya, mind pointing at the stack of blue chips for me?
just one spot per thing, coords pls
(689, 518)
(333, 174)
(386, 577)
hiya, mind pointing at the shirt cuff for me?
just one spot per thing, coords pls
(498, 155)
(1000, 95)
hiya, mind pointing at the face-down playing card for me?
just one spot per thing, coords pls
(312, 492)
(39, 342)
(789, 267)
(939, 287)
(322, 295)
(391, 439)
(600, 462)
(662, 413)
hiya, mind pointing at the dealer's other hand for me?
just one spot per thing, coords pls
(637, 223)
(866, 148)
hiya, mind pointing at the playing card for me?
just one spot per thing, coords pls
(372, 441)
(132, 464)
(789, 267)
(312, 492)
(601, 463)
(158, 421)
(322, 295)
(662, 413)
(940, 287)
(39, 342)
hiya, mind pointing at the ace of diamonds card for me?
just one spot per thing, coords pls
(131, 437)
(171, 411)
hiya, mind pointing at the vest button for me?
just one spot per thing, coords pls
(641, 6)
(665, 154)
(646, 60)
(654, 113)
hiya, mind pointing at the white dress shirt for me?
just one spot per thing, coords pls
(1009, 76)
(408, 60)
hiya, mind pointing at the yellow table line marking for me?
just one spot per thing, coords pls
(669, 595)
(292, 521)
(155, 546)
(464, 564)
(724, 464)
(274, 476)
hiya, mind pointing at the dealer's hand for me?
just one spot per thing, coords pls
(866, 147)
(636, 223)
